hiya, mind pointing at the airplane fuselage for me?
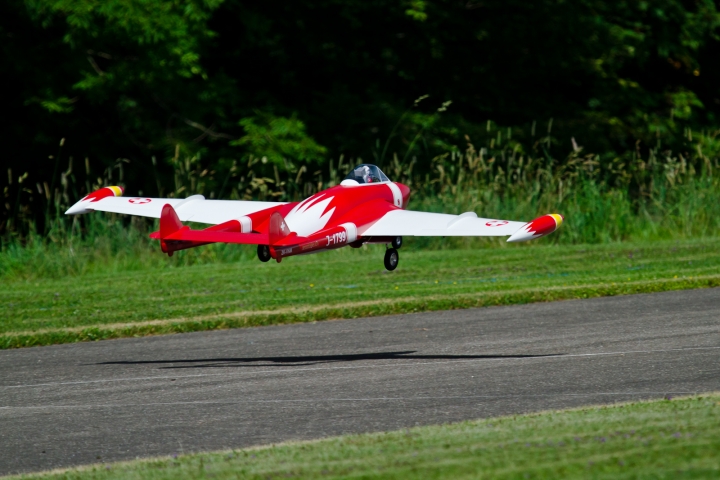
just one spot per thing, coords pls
(330, 219)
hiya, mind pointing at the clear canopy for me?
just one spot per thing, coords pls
(367, 173)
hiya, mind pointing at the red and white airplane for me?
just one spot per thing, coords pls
(365, 208)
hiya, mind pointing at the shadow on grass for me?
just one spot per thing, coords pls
(311, 359)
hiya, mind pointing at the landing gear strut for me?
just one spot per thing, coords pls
(391, 259)
(397, 242)
(263, 253)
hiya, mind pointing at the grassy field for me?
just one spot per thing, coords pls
(340, 284)
(676, 438)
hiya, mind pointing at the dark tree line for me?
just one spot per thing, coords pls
(303, 82)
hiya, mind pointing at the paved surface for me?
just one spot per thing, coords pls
(84, 403)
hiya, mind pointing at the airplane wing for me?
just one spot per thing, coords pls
(425, 224)
(193, 209)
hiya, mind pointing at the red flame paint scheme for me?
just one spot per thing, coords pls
(542, 226)
(360, 206)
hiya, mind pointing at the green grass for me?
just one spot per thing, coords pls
(340, 284)
(674, 439)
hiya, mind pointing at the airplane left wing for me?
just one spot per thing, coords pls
(426, 224)
(191, 209)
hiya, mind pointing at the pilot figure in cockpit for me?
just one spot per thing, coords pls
(366, 174)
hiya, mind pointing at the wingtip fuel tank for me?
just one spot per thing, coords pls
(84, 205)
(537, 228)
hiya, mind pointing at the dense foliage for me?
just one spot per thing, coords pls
(141, 89)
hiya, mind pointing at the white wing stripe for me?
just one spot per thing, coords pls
(397, 194)
(351, 231)
(245, 224)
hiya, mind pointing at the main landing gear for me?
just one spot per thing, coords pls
(264, 253)
(392, 257)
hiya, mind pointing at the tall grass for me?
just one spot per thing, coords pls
(659, 197)
(648, 195)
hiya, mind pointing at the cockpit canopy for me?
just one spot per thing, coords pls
(365, 173)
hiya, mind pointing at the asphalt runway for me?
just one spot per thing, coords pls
(103, 401)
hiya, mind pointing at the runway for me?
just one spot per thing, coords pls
(104, 401)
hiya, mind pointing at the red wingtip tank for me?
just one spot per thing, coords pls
(537, 228)
(84, 205)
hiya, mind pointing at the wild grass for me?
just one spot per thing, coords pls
(671, 438)
(103, 242)
(645, 195)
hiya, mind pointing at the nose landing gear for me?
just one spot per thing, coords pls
(391, 259)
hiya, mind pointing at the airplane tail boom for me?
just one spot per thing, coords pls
(174, 236)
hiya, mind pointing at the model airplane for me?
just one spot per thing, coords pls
(365, 208)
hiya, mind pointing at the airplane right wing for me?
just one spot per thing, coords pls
(426, 224)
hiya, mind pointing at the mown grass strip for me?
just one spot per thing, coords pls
(306, 313)
(671, 438)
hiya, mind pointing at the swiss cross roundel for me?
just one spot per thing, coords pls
(496, 223)
(139, 201)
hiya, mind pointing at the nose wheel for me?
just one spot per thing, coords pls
(391, 259)
(263, 253)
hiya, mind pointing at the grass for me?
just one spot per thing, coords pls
(672, 438)
(340, 284)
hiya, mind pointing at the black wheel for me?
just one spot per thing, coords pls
(391, 259)
(397, 242)
(264, 253)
